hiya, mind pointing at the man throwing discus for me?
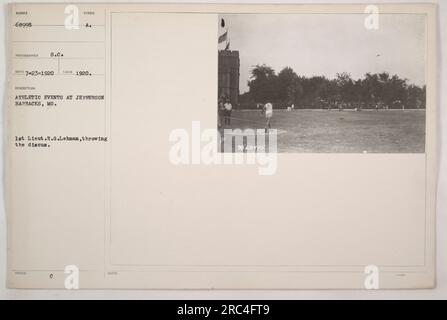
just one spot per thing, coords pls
(268, 112)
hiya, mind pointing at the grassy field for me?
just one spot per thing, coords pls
(322, 131)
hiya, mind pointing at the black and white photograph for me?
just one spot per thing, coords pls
(324, 83)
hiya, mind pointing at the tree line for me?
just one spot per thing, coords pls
(286, 88)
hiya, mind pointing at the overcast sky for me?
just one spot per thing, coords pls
(324, 44)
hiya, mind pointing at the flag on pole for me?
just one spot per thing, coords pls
(224, 41)
(223, 37)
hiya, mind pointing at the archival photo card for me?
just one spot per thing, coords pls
(205, 146)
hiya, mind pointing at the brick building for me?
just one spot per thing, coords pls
(228, 80)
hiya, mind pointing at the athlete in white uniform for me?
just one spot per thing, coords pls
(268, 110)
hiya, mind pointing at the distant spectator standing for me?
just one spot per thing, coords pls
(221, 111)
(228, 108)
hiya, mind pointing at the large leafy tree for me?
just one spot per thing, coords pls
(289, 88)
(345, 86)
(263, 84)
